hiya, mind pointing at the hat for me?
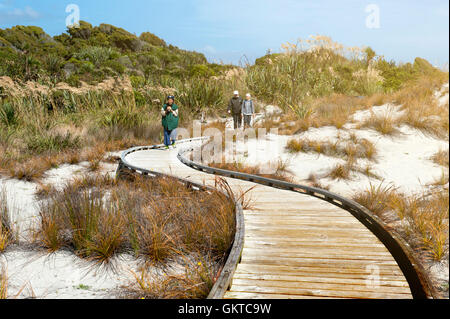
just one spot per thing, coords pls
(236, 92)
(171, 97)
(248, 95)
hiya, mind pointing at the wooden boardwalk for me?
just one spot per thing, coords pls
(297, 246)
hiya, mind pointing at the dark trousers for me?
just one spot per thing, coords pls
(247, 121)
(237, 119)
(169, 137)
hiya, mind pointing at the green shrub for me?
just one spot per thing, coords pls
(200, 94)
(8, 115)
(41, 142)
(125, 118)
(152, 39)
(201, 70)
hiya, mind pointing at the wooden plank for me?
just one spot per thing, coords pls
(329, 258)
(315, 262)
(307, 220)
(300, 226)
(310, 239)
(252, 295)
(313, 251)
(385, 273)
(319, 292)
(322, 245)
(305, 233)
(320, 285)
(298, 212)
(316, 279)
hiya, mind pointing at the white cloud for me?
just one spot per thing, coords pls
(17, 15)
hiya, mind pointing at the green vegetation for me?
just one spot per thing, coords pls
(6, 231)
(91, 54)
(319, 67)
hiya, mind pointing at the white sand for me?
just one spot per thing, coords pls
(402, 160)
(36, 274)
(63, 275)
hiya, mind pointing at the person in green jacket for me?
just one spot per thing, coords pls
(170, 118)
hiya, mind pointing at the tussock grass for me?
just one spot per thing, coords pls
(424, 217)
(351, 149)
(6, 228)
(156, 219)
(195, 283)
(312, 178)
(383, 124)
(376, 198)
(3, 283)
(340, 172)
(441, 157)
(280, 170)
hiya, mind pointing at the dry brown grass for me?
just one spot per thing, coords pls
(195, 283)
(280, 171)
(417, 99)
(3, 283)
(421, 107)
(425, 217)
(6, 228)
(316, 183)
(97, 217)
(441, 157)
(340, 172)
(335, 110)
(352, 148)
(383, 124)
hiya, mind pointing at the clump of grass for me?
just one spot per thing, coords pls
(97, 218)
(383, 124)
(278, 171)
(340, 172)
(441, 180)
(3, 283)
(350, 149)
(421, 107)
(441, 157)
(28, 171)
(6, 230)
(427, 221)
(376, 198)
(316, 183)
(425, 217)
(40, 143)
(195, 283)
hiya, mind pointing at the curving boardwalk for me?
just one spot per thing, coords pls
(297, 246)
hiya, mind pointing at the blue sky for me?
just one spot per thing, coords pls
(226, 30)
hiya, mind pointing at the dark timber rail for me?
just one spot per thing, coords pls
(283, 282)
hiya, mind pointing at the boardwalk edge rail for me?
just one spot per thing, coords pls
(224, 280)
(418, 280)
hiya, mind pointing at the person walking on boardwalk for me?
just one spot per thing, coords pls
(235, 108)
(248, 110)
(170, 119)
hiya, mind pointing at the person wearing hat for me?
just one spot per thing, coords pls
(170, 120)
(248, 110)
(235, 108)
